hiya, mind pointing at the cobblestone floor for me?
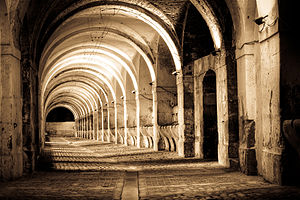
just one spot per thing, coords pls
(74, 168)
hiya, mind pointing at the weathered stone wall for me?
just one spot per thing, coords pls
(60, 129)
(145, 94)
(11, 165)
(166, 87)
(267, 73)
(201, 66)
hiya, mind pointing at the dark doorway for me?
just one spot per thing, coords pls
(210, 145)
(60, 114)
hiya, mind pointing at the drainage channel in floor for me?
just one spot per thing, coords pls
(130, 188)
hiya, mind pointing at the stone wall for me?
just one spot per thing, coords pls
(218, 65)
(61, 128)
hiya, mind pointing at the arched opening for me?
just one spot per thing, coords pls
(210, 138)
(60, 114)
(222, 61)
(60, 122)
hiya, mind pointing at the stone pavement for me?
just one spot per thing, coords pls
(73, 168)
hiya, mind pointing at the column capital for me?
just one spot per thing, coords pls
(246, 48)
(10, 50)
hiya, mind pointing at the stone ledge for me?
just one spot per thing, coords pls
(7, 49)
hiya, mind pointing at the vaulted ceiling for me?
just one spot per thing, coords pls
(89, 53)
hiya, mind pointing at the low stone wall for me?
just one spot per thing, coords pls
(60, 128)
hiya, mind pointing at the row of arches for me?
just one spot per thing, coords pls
(112, 66)
(119, 68)
(153, 74)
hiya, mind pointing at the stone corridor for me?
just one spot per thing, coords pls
(73, 168)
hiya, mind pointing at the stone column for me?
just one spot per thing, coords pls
(111, 121)
(198, 109)
(268, 123)
(95, 124)
(100, 124)
(11, 162)
(185, 91)
(138, 133)
(76, 128)
(154, 118)
(91, 125)
(125, 122)
(81, 127)
(86, 125)
(189, 130)
(247, 107)
(105, 122)
(181, 126)
(85, 122)
(116, 122)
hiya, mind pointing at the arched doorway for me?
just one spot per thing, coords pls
(210, 138)
(60, 122)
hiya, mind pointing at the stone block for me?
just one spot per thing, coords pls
(248, 163)
(271, 166)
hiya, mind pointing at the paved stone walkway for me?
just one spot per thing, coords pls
(73, 168)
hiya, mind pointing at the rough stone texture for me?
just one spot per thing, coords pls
(85, 169)
(189, 131)
(11, 153)
(145, 94)
(270, 112)
(61, 128)
(165, 88)
(218, 64)
(247, 153)
(263, 68)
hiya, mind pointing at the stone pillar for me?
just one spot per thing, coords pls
(247, 107)
(116, 122)
(102, 125)
(76, 127)
(29, 115)
(11, 153)
(99, 124)
(91, 123)
(95, 124)
(185, 115)
(105, 122)
(85, 127)
(181, 126)
(125, 121)
(268, 112)
(198, 109)
(138, 133)
(81, 127)
(154, 118)
(189, 131)
(111, 121)
(120, 117)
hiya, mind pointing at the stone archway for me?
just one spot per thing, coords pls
(210, 138)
